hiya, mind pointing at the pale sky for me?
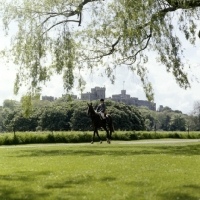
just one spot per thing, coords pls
(167, 92)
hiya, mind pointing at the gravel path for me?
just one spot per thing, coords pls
(160, 141)
(133, 142)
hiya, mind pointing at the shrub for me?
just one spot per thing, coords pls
(85, 136)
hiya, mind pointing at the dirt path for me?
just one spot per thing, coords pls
(133, 142)
(161, 141)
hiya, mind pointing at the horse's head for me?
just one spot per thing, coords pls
(90, 110)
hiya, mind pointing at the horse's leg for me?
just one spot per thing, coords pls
(111, 130)
(107, 135)
(107, 132)
(96, 131)
(99, 137)
(93, 137)
(110, 134)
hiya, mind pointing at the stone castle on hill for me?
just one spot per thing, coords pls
(99, 93)
(95, 94)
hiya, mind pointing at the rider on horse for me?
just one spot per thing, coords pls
(102, 110)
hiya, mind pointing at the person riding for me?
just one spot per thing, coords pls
(102, 109)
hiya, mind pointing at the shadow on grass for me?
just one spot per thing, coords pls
(194, 187)
(16, 193)
(179, 196)
(7, 191)
(70, 183)
(24, 176)
(180, 150)
(67, 188)
(77, 181)
(77, 187)
(124, 150)
(184, 195)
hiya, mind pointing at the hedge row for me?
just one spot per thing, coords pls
(79, 137)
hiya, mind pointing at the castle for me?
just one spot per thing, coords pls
(99, 93)
(127, 99)
(96, 93)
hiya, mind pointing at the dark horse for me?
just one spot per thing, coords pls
(98, 123)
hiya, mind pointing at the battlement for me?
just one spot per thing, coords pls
(95, 94)
(48, 98)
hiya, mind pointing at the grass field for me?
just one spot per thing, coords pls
(117, 171)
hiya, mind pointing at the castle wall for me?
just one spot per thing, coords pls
(99, 93)
(95, 94)
(48, 98)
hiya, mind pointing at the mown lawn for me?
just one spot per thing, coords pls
(116, 171)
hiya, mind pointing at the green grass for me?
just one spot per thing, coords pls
(115, 171)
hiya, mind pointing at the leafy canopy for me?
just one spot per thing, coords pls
(69, 36)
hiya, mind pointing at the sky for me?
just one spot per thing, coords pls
(166, 90)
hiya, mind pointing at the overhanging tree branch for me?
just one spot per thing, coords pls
(110, 51)
(67, 14)
(184, 4)
(79, 9)
(61, 22)
(122, 29)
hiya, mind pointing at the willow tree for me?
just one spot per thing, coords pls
(68, 36)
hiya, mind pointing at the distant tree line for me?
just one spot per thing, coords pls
(167, 119)
(64, 114)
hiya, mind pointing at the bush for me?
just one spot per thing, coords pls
(85, 136)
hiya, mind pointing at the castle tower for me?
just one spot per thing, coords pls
(100, 92)
(123, 93)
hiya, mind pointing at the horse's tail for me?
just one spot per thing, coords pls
(111, 124)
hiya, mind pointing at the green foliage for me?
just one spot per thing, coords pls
(27, 105)
(65, 114)
(15, 120)
(72, 115)
(54, 118)
(165, 119)
(178, 122)
(113, 34)
(86, 136)
(11, 104)
(125, 117)
(150, 118)
(80, 120)
(45, 137)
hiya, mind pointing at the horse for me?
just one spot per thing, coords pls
(97, 123)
